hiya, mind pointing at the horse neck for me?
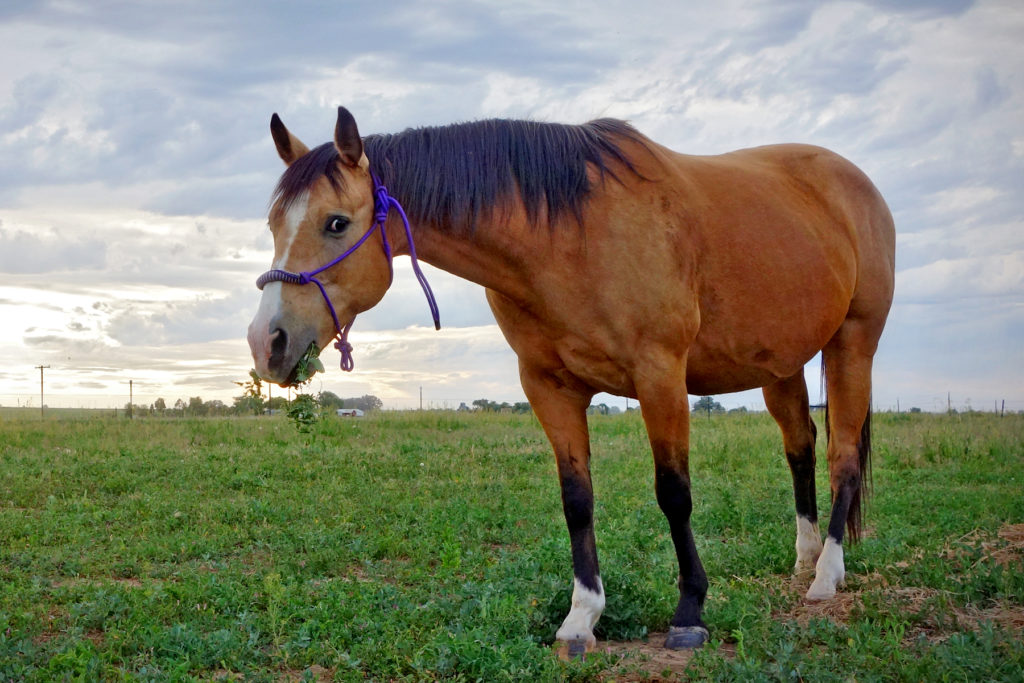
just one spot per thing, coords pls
(491, 256)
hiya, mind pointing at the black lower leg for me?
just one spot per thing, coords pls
(801, 465)
(673, 492)
(578, 505)
(846, 492)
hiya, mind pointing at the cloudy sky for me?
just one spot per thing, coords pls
(136, 164)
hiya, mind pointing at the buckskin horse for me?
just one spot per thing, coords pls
(612, 264)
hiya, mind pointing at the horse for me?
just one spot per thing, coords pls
(611, 264)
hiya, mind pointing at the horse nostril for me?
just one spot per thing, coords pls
(278, 345)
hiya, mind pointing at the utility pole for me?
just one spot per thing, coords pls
(421, 398)
(42, 406)
(131, 399)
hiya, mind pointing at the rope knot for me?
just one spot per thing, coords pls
(345, 349)
(305, 278)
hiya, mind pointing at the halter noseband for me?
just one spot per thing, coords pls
(382, 204)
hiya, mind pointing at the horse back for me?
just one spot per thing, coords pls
(778, 246)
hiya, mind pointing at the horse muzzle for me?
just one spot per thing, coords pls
(277, 347)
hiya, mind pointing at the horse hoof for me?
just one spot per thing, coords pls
(686, 637)
(577, 649)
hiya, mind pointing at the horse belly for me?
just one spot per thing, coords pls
(761, 350)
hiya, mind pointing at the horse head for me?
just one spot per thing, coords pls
(321, 212)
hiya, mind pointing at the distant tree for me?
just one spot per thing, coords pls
(134, 410)
(160, 405)
(196, 407)
(179, 407)
(599, 409)
(330, 401)
(369, 403)
(216, 407)
(522, 407)
(251, 399)
(707, 404)
(277, 403)
(740, 410)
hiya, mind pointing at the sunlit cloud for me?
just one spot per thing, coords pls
(136, 164)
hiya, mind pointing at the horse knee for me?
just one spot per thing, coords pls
(672, 490)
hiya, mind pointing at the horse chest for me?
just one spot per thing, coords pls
(600, 367)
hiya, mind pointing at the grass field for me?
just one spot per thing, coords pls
(426, 546)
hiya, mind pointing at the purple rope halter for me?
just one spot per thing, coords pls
(382, 204)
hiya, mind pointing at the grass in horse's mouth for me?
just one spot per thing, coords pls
(309, 364)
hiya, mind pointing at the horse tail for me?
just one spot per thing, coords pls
(855, 515)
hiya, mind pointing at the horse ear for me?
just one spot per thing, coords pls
(288, 146)
(346, 138)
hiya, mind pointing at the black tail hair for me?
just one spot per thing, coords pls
(855, 515)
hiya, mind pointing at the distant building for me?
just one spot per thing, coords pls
(349, 412)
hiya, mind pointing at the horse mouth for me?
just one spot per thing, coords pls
(290, 362)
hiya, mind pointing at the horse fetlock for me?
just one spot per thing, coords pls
(830, 572)
(587, 606)
(808, 545)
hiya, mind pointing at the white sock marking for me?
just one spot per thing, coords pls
(586, 610)
(829, 573)
(808, 544)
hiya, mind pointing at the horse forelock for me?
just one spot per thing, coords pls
(298, 178)
(457, 175)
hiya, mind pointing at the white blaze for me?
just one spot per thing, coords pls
(293, 218)
(270, 299)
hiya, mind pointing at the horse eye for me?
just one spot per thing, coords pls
(336, 225)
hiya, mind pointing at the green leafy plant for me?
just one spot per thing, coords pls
(252, 394)
(308, 365)
(304, 412)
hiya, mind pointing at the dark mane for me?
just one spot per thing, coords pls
(457, 175)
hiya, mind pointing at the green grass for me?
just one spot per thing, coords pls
(428, 546)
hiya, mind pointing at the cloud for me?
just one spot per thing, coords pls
(135, 160)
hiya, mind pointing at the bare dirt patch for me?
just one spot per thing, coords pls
(646, 660)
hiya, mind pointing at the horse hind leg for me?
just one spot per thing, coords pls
(787, 402)
(847, 363)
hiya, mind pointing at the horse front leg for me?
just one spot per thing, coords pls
(562, 412)
(667, 417)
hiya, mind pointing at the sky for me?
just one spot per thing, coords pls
(136, 165)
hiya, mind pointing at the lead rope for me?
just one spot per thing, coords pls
(383, 203)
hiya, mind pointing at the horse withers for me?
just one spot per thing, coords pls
(612, 264)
